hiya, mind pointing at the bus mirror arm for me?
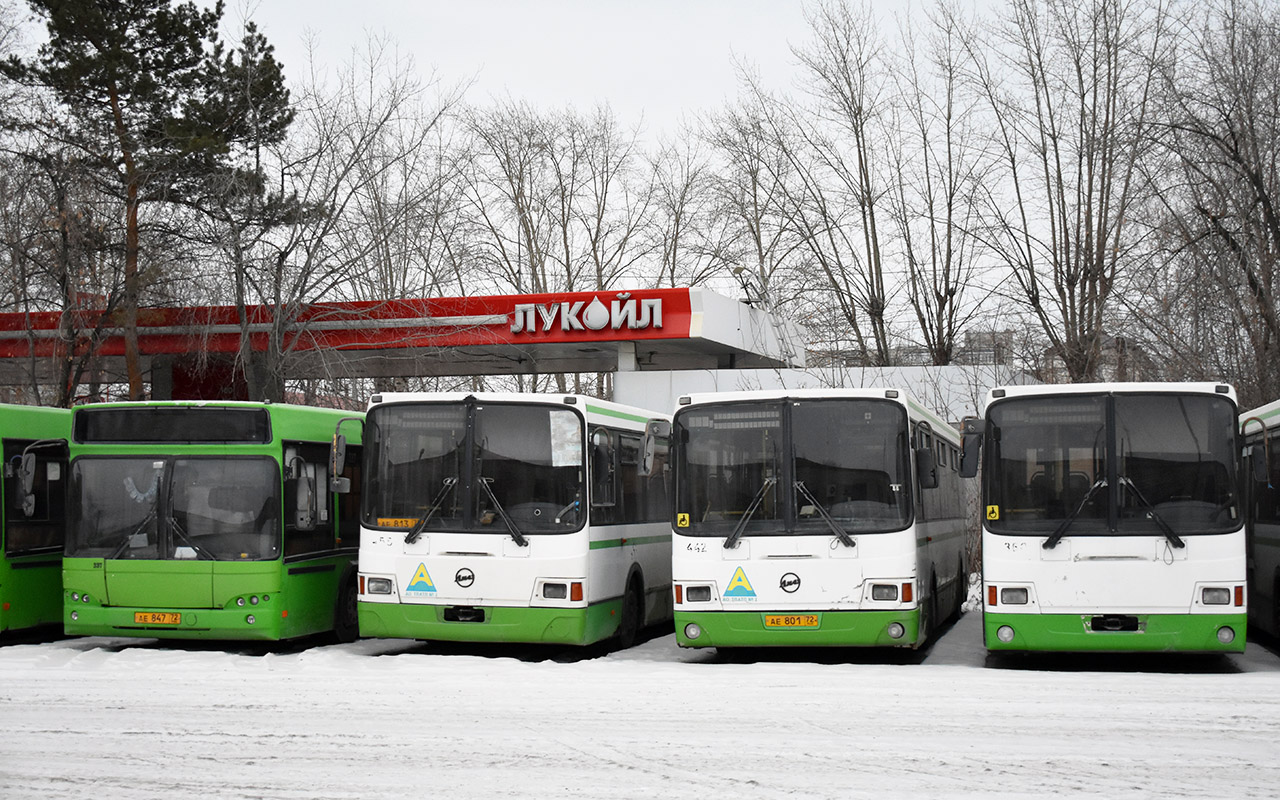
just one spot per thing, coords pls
(1258, 465)
(926, 468)
(970, 448)
(656, 432)
(28, 475)
(338, 458)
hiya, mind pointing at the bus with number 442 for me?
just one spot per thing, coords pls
(815, 518)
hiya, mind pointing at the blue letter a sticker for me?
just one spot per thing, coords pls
(739, 586)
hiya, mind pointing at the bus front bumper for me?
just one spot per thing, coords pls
(522, 625)
(191, 623)
(1187, 633)
(833, 629)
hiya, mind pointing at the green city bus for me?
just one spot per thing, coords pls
(199, 520)
(33, 516)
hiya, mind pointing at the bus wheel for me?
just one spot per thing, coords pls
(632, 610)
(346, 620)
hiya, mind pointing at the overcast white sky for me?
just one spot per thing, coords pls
(664, 58)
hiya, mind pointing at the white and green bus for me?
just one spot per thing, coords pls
(497, 517)
(814, 518)
(1112, 519)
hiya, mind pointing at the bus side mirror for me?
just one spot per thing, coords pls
(926, 468)
(1258, 463)
(657, 433)
(27, 475)
(337, 463)
(971, 448)
(305, 505)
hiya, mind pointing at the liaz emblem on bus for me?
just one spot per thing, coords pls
(421, 585)
(739, 587)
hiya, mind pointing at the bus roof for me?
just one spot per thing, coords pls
(1049, 390)
(582, 401)
(879, 393)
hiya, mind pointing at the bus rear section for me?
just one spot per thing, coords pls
(814, 518)
(207, 521)
(33, 509)
(510, 518)
(1112, 519)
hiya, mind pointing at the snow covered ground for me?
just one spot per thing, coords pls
(116, 718)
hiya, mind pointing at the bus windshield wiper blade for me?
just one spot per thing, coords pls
(502, 512)
(412, 536)
(840, 532)
(732, 541)
(1165, 528)
(139, 529)
(1053, 540)
(181, 532)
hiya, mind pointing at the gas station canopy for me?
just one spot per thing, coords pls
(643, 329)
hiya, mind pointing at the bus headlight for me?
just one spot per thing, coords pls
(1013, 597)
(1215, 596)
(884, 591)
(895, 629)
(379, 585)
(698, 594)
(693, 630)
(555, 591)
(1226, 635)
(1004, 633)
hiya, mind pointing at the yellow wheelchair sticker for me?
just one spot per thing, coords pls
(682, 520)
(993, 512)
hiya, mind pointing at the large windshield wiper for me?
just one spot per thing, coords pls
(412, 536)
(732, 541)
(1053, 540)
(177, 528)
(835, 527)
(139, 529)
(511, 525)
(1173, 538)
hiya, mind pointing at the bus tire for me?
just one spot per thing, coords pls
(346, 620)
(632, 614)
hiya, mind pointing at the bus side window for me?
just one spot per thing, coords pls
(44, 528)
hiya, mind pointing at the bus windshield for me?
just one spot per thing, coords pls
(475, 467)
(787, 466)
(155, 508)
(1151, 464)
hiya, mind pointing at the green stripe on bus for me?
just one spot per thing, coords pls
(608, 412)
(601, 544)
